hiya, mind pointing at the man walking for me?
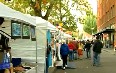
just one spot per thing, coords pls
(97, 46)
(87, 47)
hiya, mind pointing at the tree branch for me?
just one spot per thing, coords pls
(37, 7)
(49, 10)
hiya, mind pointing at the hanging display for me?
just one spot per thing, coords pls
(33, 37)
(26, 31)
(15, 29)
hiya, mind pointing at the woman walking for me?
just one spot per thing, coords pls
(64, 51)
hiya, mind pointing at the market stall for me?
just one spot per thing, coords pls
(20, 32)
(27, 38)
(47, 29)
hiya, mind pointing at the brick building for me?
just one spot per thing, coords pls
(106, 21)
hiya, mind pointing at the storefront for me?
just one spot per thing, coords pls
(107, 37)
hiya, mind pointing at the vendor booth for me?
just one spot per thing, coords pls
(46, 33)
(25, 39)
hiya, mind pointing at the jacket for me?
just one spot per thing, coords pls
(71, 46)
(76, 44)
(87, 46)
(64, 50)
(97, 46)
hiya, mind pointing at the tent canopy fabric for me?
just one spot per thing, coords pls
(64, 35)
(41, 23)
(67, 35)
(7, 12)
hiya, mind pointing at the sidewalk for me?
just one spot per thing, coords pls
(107, 50)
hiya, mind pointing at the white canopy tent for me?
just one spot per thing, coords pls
(67, 35)
(11, 14)
(41, 23)
(31, 50)
(29, 46)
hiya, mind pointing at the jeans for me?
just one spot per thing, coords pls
(96, 58)
(88, 53)
(71, 55)
(75, 54)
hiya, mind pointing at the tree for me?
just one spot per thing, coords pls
(55, 10)
(90, 24)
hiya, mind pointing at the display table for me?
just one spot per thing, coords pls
(26, 68)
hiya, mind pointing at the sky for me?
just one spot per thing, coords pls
(93, 5)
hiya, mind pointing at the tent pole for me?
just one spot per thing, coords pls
(36, 50)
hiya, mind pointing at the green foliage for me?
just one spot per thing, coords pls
(55, 10)
(80, 36)
(90, 24)
(82, 6)
(20, 5)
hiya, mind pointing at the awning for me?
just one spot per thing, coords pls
(105, 31)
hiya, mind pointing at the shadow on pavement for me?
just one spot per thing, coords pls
(70, 65)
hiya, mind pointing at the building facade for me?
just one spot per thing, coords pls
(106, 22)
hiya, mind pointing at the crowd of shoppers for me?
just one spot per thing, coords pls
(74, 51)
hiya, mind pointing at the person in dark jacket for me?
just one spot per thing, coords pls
(97, 47)
(88, 46)
(64, 51)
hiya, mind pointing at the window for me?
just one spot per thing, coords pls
(106, 17)
(113, 11)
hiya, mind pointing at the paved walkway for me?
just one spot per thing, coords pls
(108, 64)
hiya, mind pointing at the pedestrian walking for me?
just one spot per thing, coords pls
(71, 49)
(58, 51)
(80, 50)
(75, 50)
(87, 48)
(97, 47)
(64, 51)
